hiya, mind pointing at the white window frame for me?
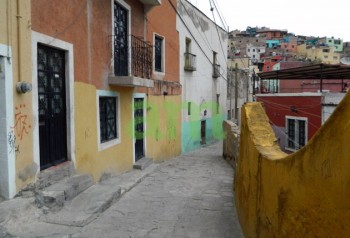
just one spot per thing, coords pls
(305, 119)
(161, 73)
(113, 142)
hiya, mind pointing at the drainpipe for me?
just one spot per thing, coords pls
(18, 16)
(8, 29)
(21, 86)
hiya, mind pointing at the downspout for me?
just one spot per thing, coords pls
(18, 16)
(21, 86)
(8, 30)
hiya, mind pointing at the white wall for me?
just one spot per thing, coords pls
(7, 136)
(329, 102)
(199, 86)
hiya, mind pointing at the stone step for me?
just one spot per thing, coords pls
(57, 194)
(85, 207)
(143, 163)
(55, 174)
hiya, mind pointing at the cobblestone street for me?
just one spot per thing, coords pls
(188, 196)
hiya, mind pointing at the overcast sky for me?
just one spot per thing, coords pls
(301, 17)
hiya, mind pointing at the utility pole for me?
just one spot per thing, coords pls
(230, 91)
(236, 92)
(248, 79)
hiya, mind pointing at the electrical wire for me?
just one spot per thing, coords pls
(200, 47)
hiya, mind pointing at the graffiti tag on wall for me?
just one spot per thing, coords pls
(19, 130)
(21, 126)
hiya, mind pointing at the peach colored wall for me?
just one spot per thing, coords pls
(162, 21)
(87, 24)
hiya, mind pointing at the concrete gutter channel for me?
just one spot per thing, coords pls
(86, 204)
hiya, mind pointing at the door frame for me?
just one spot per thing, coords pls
(143, 96)
(69, 67)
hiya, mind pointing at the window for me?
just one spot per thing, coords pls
(335, 57)
(325, 50)
(121, 40)
(325, 56)
(217, 103)
(158, 54)
(216, 66)
(108, 108)
(296, 130)
(190, 59)
(248, 50)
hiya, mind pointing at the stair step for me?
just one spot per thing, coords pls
(65, 190)
(85, 207)
(143, 163)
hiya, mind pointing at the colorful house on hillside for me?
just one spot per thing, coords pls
(203, 57)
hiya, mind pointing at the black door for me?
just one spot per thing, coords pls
(203, 129)
(139, 128)
(121, 66)
(52, 106)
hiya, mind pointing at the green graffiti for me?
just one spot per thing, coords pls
(168, 114)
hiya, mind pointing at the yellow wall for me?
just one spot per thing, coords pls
(20, 42)
(163, 127)
(305, 194)
(318, 54)
(115, 159)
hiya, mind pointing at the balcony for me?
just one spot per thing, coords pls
(216, 70)
(141, 64)
(190, 62)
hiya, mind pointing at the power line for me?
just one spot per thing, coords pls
(223, 21)
(217, 30)
(200, 47)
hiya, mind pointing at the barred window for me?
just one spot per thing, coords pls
(108, 118)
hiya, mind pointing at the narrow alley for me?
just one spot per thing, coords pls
(188, 196)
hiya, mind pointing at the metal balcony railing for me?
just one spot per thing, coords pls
(141, 57)
(216, 70)
(190, 62)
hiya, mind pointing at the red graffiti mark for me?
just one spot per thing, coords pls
(21, 126)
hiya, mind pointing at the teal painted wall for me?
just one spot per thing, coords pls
(191, 132)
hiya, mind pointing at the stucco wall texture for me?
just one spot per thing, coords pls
(305, 194)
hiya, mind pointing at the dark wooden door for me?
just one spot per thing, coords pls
(52, 106)
(139, 128)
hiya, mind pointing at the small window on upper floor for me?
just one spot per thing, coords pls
(158, 53)
(190, 59)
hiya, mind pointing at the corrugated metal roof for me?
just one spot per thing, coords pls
(315, 71)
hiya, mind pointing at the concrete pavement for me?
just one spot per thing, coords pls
(187, 196)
